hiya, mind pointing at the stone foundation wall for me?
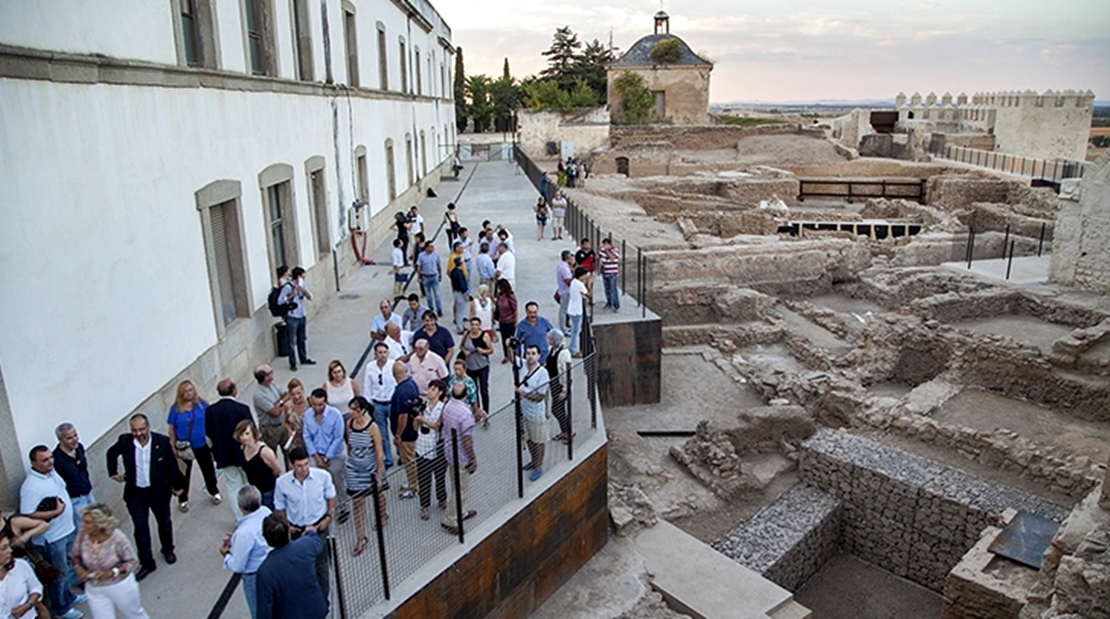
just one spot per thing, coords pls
(909, 515)
(790, 539)
(703, 137)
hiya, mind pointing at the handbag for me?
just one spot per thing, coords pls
(185, 448)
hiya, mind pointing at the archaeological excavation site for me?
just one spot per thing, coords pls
(883, 384)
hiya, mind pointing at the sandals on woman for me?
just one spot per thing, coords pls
(363, 542)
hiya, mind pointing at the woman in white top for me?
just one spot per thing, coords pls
(481, 307)
(578, 293)
(20, 590)
(341, 389)
(429, 450)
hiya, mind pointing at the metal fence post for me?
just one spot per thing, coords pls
(624, 265)
(1010, 260)
(458, 485)
(1040, 244)
(568, 411)
(517, 414)
(333, 550)
(1005, 240)
(379, 533)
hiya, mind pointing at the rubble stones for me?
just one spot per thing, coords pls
(790, 539)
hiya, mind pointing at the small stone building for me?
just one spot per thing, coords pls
(679, 81)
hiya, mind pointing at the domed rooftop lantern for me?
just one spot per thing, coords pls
(662, 20)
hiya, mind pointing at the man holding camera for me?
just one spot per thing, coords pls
(405, 406)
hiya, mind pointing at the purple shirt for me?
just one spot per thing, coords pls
(563, 275)
(456, 416)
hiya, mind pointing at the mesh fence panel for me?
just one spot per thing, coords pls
(408, 542)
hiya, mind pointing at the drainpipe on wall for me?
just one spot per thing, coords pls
(329, 79)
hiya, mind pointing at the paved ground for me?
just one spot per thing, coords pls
(497, 191)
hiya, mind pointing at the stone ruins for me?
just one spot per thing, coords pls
(892, 359)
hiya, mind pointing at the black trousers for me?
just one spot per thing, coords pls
(428, 469)
(207, 468)
(142, 503)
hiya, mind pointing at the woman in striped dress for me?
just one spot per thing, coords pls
(365, 465)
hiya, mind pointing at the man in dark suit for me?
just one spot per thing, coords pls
(150, 478)
(219, 426)
(283, 590)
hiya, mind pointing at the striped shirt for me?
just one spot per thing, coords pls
(610, 261)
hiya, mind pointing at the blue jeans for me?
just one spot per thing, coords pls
(381, 417)
(612, 295)
(295, 336)
(250, 590)
(79, 502)
(431, 291)
(57, 553)
(575, 331)
(462, 311)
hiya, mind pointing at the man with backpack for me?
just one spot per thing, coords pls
(287, 301)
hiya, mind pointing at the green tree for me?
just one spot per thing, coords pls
(481, 109)
(591, 66)
(562, 58)
(462, 111)
(505, 98)
(636, 100)
(505, 70)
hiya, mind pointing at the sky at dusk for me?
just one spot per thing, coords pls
(798, 50)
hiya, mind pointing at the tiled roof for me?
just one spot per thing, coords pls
(639, 55)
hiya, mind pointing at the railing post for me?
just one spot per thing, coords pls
(590, 366)
(568, 410)
(379, 533)
(1040, 244)
(1010, 261)
(458, 486)
(970, 247)
(1005, 240)
(517, 414)
(624, 265)
(334, 552)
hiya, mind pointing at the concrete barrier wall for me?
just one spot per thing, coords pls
(510, 573)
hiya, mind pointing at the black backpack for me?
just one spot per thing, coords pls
(277, 308)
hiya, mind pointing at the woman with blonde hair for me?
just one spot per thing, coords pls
(105, 561)
(294, 416)
(186, 430)
(341, 389)
(262, 466)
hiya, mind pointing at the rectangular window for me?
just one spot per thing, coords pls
(257, 19)
(363, 180)
(190, 34)
(390, 170)
(419, 89)
(404, 69)
(351, 42)
(423, 156)
(383, 61)
(227, 256)
(409, 159)
(277, 224)
(660, 109)
(320, 208)
(303, 44)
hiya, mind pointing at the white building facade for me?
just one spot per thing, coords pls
(160, 158)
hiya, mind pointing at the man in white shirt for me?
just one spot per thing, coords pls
(44, 496)
(378, 385)
(306, 496)
(385, 314)
(533, 408)
(506, 265)
(395, 339)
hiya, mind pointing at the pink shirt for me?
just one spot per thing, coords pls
(424, 372)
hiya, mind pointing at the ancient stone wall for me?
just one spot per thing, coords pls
(909, 515)
(1082, 234)
(789, 540)
(962, 190)
(585, 131)
(706, 137)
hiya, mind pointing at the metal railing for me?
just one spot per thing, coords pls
(580, 225)
(1039, 169)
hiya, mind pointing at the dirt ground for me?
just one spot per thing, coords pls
(849, 588)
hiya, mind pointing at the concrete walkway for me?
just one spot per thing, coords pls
(497, 191)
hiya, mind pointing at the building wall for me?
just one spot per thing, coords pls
(110, 301)
(686, 88)
(1081, 238)
(587, 132)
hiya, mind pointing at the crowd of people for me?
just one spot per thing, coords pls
(286, 464)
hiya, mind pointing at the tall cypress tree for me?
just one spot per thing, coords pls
(505, 69)
(462, 113)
